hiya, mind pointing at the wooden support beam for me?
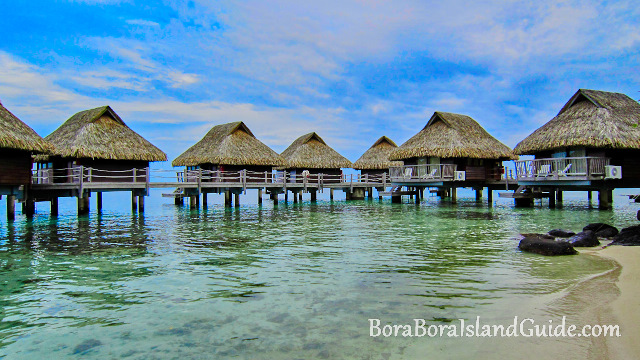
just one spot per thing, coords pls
(83, 205)
(559, 196)
(331, 194)
(286, 196)
(179, 200)
(141, 203)
(478, 194)
(98, 201)
(605, 199)
(29, 207)
(454, 195)
(259, 196)
(313, 195)
(552, 199)
(134, 202)
(227, 198)
(490, 196)
(236, 199)
(295, 197)
(54, 206)
(193, 202)
(300, 196)
(11, 207)
(205, 199)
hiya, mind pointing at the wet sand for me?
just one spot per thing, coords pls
(626, 307)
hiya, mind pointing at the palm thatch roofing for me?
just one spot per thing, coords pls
(311, 152)
(14, 134)
(101, 134)
(448, 135)
(229, 144)
(377, 157)
(591, 118)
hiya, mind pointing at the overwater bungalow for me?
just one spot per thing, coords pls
(18, 142)
(592, 144)
(229, 148)
(311, 155)
(451, 147)
(375, 161)
(98, 144)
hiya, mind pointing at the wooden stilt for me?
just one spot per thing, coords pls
(237, 199)
(454, 195)
(300, 196)
(204, 199)
(29, 207)
(605, 199)
(227, 198)
(275, 198)
(259, 196)
(589, 196)
(286, 196)
(313, 195)
(192, 202)
(179, 200)
(54, 206)
(331, 194)
(98, 201)
(134, 202)
(559, 196)
(140, 203)
(295, 197)
(490, 196)
(83, 205)
(11, 207)
(479, 194)
(552, 199)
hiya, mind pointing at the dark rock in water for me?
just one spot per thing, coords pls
(86, 345)
(628, 236)
(538, 236)
(638, 215)
(584, 239)
(602, 230)
(561, 233)
(545, 246)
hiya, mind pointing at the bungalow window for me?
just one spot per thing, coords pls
(560, 153)
(578, 152)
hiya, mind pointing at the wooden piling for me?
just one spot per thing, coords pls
(454, 195)
(559, 196)
(300, 196)
(227, 198)
(29, 207)
(552, 199)
(286, 196)
(295, 197)
(605, 199)
(236, 198)
(259, 196)
(478, 194)
(490, 196)
(141, 203)
(11, 207)
(331, 194)
(54, 206)
(134, 202)
(192, 202)
(205, 199)
(179, 200)
(98, 201)
(83, 205)
(313, 196)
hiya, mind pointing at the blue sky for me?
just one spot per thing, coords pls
(350, 70)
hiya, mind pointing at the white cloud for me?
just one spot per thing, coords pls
(142, 22)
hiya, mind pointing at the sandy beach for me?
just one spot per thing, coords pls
(625, 307)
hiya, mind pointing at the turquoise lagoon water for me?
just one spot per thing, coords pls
(294, 282)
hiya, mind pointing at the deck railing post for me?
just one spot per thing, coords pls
(265, 178)
(90, 174)
(304, 181)
(384, 181)
(134, 174)
(351, 184)
(284, 179)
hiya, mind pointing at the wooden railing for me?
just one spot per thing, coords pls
(569, 168)
(81, 175)
(427, 173)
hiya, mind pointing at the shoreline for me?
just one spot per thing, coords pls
(624, 307)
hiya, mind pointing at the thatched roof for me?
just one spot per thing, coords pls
(448, 135)
(311, 152)
(101, 134)
(591, 118)
(14, 134)
(377, 157)
(229, 144)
